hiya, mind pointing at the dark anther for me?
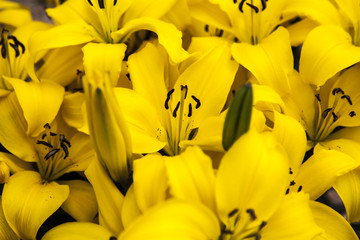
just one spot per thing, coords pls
(241, 5)
(252, 40)
(225, 231)
(44, 143)
(234, 1)
(89, 1)
(256, 9)
(334, 117)
(263, 2)
(51, 153)
(233, 212)
(43, 136)
(287, 191)
(186, 89)
(300, 188)
(192, 133)
(175, 110)
(52, 134)
(47, 125)
(325, 113)
(101, 4)
(65, 149)
(251, 212)
(112, 238)
(15, 47)
(262, 225)
(197, 101)
(292, 183)
(221, 32)
(168, 98)
(318, 97)
(190, 110)
(347, 97)
(64, 140)
(290, 171)
(337, 90)
(115, 1)
(18, 43)
(206, 28)
(236, 39)
(352, 113)
(3, 51)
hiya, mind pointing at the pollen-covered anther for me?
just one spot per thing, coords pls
(352, 114)
(326, 112)
(101, 4)
(251, 213)
(44, 143)
(198, 103)
(300, 188)
(115, 1)
(176, 109)
(112, 238)
(233, 212)
(190, 110)
(51, 153)
(347, 97)
(256, 9)
(206, 28)
(89, 1)
(292, 183)
(184, 87)
(168, 98)
(318, 97)
(241, 5)
(337, 90)
(335, 117)
(263, 3)
(220, 32)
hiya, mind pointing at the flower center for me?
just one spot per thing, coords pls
(180, 117)
(53, 150)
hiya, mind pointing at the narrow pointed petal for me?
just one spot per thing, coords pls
(167, 34)
(28, 201)
(174, 219)
(78, 231)
(100, 58)
(293, 220)
(191, 177)
(321, 52)
(328, 165)
(108, 197)
(81, 203)
(334, 225)
(150, 181)
(348, 188)
(46, 98)
(13, 130)
(256, 165)
(270, 61)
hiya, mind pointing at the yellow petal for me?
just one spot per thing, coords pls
(15, 164)
(334, 225)
(299, 31)
(14, 14)
(130, 209)
(81, 203)
(348, 188)
(191, 177)
(328, 165)
(150, 181)
(270, 61)
(28, 202)
(78, 231)
(46, 98)
(73, 111)
(254, 162)
(321, 52)
(6, 232)
(108, 197)
(167, 34)
(100, 58)
(293, 220)
(174, 219)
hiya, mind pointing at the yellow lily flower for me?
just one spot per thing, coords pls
(47, 152)
(169, 104)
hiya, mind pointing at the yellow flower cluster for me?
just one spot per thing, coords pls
(180, 119)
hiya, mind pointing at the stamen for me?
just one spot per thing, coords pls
(17, 52)
(225, 231)
(168, 98)
(337, 90)
(347, 97)
(52, 134)
(112, 238)
(51, 153)
(44, 143)
(89, 1)
(287, 191)
(197, 101)
(193, 133)
(186, 89)
(115, 1)
(262, 225)
(292, 183)
(256, 9)
(263, 2)
(190, 111)
(206, 28)
(335, 118)
(43, 136)
(101, 4)
(47, 125)
(64, 140)
(235, 1)
(221, 32)
(290, 171)
(175, 110)
(241, 5)
(300, 188)
(352, 113)
(18, 43)
(233, 212)
(3, 51)
(251, 212)
(325, 113)
(318, 97)
(65, 149)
